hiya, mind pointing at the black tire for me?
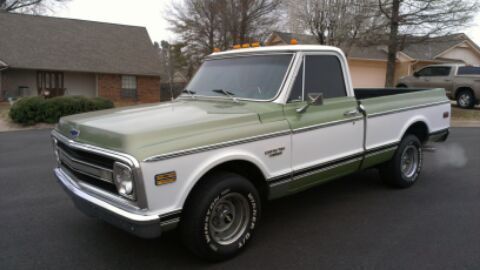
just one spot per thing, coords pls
(402, 86)
(465, 99)
(206, 212)
(396, 172)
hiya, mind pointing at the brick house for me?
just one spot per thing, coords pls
(51, 56)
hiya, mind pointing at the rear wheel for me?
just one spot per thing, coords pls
(220, 217)
(403, 169)
(465, 99)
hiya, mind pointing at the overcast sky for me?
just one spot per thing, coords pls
(149, 13)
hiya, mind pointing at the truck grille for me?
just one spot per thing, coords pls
(91, 168)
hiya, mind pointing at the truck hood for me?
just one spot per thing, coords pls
(147, 130)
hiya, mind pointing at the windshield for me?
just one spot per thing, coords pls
(253, 77)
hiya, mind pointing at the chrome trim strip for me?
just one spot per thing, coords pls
(312, 172)
(326, 168)
(130, 160)
(297, 174)
(327, 124)
(374, 153)
(407, 109)
(99, 193)
(216, 146)
(66, 182)
(86, 168)
(246, 140)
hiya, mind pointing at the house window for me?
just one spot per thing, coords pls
(129, 86)
(50, 84)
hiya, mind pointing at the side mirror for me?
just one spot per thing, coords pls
(416, 74)
(315, 99)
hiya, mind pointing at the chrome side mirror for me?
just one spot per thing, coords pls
(315, 99)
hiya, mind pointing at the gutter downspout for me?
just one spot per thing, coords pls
(3, 66)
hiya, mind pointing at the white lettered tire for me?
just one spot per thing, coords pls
(220, 216)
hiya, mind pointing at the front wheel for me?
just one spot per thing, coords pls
(221, 216)
(404, 168)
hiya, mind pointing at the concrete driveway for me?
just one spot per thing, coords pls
(353, 223)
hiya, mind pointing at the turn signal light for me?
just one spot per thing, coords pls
(236, 46)
(216, 50)
(165, 178)
(293, 41)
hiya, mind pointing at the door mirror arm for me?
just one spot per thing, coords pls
(315, 99)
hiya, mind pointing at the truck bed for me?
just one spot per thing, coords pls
(382, 101)
(365, 93)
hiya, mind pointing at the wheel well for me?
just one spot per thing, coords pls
(418, 129)
(401, 85)
(244, 168)
(459, 90)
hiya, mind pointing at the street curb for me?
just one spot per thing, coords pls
(465, 123)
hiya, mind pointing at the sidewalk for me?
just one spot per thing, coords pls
(465, 123)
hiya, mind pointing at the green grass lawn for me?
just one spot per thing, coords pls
(465, 114)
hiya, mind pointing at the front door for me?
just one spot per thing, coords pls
(50, 84)
(327, 139)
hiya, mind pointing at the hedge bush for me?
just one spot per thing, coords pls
(31, 110)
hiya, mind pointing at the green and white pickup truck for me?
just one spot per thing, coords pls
(253, 125)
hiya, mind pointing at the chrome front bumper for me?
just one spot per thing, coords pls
(145, 226)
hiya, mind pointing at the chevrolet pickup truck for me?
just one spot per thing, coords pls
(461, 82)
(253, 125)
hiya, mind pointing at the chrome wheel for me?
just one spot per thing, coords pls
(464, 100)
(409, 161)
(229, 219)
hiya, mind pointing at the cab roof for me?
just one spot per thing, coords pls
(276, 49)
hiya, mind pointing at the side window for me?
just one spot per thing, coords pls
(297, 88)
(468, 71)
(441, 71)
(434, 71)
(323, 74)
(426, 72)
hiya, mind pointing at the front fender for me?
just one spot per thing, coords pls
(213, 161)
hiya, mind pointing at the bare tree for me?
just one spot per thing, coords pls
(421, 19)
(203, 25)
(248, 20)
(334, 22)
(29, 6)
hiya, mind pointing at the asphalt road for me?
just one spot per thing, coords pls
(353, 223)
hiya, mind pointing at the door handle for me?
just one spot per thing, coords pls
(447, 80)
(351, 113)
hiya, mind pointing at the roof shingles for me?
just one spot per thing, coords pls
(420, 49)
(48, 43)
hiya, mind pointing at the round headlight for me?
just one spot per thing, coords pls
(123, 178)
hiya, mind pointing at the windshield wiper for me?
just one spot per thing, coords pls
(226, 93)
(189, 92)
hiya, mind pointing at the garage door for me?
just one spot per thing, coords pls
(366, 74)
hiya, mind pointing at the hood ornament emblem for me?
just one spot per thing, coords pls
(74, 133)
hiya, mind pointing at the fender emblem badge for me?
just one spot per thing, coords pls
(275, 152)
